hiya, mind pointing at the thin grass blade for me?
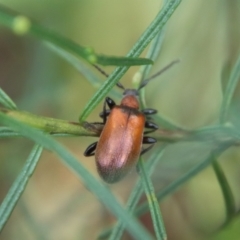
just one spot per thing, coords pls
(153, 53)
(135, 196)
(153, 203)
(228, 94)
(8, 132)
(143, 208)
(6, 101)
(123, 61)
(18, 186)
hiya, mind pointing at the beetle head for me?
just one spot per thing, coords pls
(132, 92)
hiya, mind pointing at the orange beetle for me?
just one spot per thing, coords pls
(120, 142)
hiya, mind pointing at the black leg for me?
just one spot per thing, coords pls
(148, 140)
(146, 149)
(90, 151)
(149, 111)
(102, 114)
(108, 101)
(151, 126)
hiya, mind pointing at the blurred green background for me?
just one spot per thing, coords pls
(204, 35)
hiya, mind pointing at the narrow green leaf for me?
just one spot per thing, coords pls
(153, 53)
(152, 30)
(6, 101)
(228, 94)
(123, 61)
(39, 231)
(135, 196)
(152, 203)
(91, 183)
(18, 186)
(7, 132)
(187, 176)
(22, 25)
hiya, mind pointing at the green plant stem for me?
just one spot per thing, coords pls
(6, 101)
(51, 125)
(60, 127)
(226, 190)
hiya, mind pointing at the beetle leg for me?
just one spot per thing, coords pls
(149, 111)
(151, 126)
(148, 140)
(106, 113)
(90, 151)
(108, 101)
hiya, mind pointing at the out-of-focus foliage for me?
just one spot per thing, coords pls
(204, 35)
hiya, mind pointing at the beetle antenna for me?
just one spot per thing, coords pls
(106, 75)
(120, 86)
(146, 81)
(100, 70)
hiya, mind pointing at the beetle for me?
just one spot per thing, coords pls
(122, 136)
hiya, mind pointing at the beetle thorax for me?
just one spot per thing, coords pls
(130, 99)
